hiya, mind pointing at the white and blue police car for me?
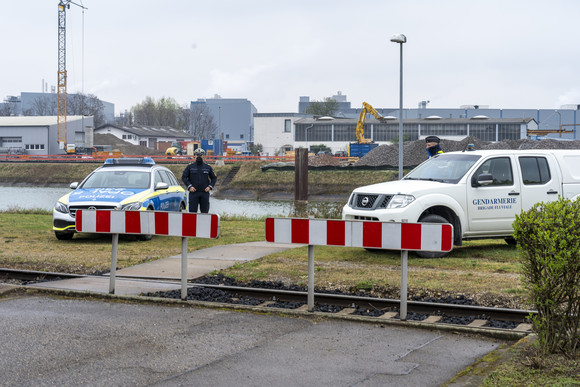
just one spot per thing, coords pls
(120, 184)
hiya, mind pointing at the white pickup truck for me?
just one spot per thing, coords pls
(479, 192)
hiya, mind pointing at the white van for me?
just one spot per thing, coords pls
(479, 192)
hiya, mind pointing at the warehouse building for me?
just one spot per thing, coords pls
(37, 135)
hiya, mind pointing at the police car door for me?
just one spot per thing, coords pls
(162, 195)
(492, 205)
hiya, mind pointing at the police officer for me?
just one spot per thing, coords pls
(433, 146)
(199, 179)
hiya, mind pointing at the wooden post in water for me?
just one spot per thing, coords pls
(301, 174)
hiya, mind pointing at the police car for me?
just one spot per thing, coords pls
(120, 184)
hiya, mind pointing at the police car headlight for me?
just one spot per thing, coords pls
(400, 201)
(131, 206)
(61, 207)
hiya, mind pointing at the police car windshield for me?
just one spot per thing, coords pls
(445, 168)
(117, 179)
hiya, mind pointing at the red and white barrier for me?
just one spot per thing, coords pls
(181, 224)
(376, 235)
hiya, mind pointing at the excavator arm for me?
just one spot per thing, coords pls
(367, 109)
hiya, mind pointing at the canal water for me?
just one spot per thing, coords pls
(45, 197)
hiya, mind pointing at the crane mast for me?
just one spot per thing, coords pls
(61, 95)
(61, 75)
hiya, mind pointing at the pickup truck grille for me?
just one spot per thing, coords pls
(370, 201)
(73, 209)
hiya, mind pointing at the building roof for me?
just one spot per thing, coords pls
(34, 120)
(148, 131)
(433, 120)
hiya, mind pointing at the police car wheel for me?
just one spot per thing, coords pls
(63, 236)
(145, 237)
(432, 219)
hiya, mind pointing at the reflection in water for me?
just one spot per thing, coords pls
(45, 197)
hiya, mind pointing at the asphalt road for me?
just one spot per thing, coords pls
(47, 340)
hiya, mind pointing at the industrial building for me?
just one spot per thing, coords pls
(37, 135)
(234, 117)
(147, 136)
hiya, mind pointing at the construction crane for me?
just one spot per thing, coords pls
(63, 5)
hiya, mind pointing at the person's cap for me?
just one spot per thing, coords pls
(432, 139)
(199, 152)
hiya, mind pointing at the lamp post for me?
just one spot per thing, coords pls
(400, 38)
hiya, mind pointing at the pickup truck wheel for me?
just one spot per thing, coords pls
(511, 241)
(432, 219)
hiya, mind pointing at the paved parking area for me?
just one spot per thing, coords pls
(49, 340)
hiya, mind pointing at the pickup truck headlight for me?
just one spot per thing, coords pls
(400, 201)
(131, 206)
(61, 207)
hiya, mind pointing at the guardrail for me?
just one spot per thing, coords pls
(181, 224)
(365, 234)
(165, 159)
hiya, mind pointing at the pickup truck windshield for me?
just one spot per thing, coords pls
(445, 168)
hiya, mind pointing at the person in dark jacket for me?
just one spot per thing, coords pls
(433, 146)
(199, 179)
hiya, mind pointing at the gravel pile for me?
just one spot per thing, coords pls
(323, 160)
(414, 152)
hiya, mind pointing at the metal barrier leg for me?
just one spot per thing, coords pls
(403, 305)
(184, 268)
(310, 278)
(113, 264)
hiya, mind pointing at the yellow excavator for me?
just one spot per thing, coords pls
(356, 149)
(360, 131)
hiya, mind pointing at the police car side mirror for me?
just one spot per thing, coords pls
(74, 185)
(161, 185)
(483, 179)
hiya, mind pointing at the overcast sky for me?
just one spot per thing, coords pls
(503, 54)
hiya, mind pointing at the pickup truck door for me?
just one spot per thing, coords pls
(540, 180)
(492, 207)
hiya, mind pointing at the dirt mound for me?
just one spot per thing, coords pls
(323, 160)
(414, 152)
(125, 147)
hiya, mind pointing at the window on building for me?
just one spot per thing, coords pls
(287, 126)
(227, 136)
(34, 146)
(241, 136)
(535, 170)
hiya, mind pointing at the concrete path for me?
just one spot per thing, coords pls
(50, 341)
(199, 263)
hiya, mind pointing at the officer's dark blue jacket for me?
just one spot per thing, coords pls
(199, 176)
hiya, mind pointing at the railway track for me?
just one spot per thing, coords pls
(468, 316)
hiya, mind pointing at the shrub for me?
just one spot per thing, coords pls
(548, 236)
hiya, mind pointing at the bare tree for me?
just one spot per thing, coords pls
(328, 107)
(203, 125)
(42, 106)
(165, 112)
(86, 105)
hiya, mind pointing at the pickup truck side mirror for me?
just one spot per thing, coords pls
(161, 185)
(483, 179)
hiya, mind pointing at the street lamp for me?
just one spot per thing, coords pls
(400, 38)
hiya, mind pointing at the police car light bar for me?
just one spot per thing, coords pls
(130, 161)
